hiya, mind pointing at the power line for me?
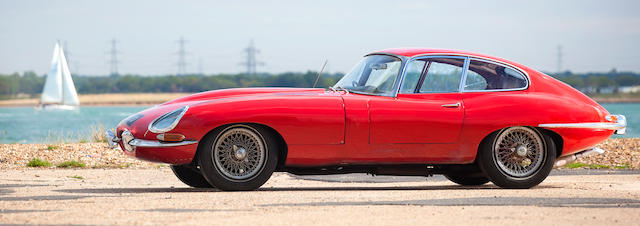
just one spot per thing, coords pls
(182, 63)
(113, 62)
(559, 58)
(67, 54)
(251, 63)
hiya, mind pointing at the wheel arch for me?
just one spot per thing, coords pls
(557, 139)
(282, 145)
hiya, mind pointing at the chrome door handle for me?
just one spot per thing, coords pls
(451, 105)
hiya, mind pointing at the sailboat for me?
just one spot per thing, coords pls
(59, 91)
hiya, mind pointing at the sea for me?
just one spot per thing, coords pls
(29, 125)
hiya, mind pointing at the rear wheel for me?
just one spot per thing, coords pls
(467, 180)
(239, 158)
(517, 157)
(190, 176)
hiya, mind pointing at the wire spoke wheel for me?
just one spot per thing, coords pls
(519, 151)
(239, 153)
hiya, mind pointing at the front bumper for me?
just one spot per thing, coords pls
(619, 126)
(129, 142)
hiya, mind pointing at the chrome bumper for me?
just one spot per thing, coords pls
(619, 125)
(129, 142)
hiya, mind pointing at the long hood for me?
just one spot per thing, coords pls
(244, 92)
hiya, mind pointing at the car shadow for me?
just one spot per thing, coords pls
(277, 189)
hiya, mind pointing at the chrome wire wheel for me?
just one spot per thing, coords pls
(519, 151)
(239, 153)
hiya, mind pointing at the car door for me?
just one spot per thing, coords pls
(428, 108)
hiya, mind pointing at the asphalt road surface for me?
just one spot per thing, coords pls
(156, 197)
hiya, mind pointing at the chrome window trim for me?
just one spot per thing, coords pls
(408, 60)
(484, 59)
(526, 77)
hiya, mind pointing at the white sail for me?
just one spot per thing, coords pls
(52, 91)
(58, 87)
(69, 95)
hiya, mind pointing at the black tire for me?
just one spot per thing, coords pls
(504, 176)
(190, 176)
(467, 180)
(225, 170)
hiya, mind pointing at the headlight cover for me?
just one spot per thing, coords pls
(167, 121)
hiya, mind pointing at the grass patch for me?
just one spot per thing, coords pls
(97, 133)
(577, 165)
(623, 166)
(76, 177)
(598, 166)
(70, 164)
(125, 165)
(36, 162)
(52, 147)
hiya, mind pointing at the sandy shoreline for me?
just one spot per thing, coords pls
(621, 153)
(111, 99)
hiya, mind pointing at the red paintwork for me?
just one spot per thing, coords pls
(328, 128)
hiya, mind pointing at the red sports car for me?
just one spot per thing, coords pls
(472, 117)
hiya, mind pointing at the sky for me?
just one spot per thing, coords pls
(296, 36)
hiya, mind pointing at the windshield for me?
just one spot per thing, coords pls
(375, 74)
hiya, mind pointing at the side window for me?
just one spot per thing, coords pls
(412, 76)
(475, 81)
(488, 76)
(442, 75)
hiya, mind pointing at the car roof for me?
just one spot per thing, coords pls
(412, 52)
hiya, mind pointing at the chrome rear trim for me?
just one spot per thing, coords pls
(619, 125)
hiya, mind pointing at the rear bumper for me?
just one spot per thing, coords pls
(619, 126)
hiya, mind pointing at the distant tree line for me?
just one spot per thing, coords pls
(29, 84)
(597, 82)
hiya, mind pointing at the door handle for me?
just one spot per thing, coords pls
(451, 105)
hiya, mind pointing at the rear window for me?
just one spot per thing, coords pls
(484, 75)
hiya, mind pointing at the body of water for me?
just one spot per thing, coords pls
(28, 125)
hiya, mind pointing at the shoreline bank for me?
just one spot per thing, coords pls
(621, 153)
(111, 99)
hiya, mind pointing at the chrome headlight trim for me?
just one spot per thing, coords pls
(173, 124)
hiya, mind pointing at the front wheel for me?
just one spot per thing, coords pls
(239, 157)
(467, 180)
(190, 176)
(517, 157)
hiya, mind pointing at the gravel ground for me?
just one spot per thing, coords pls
(156, 197)
(620, 153)
(93, 155)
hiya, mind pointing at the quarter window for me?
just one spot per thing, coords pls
(489, 76)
